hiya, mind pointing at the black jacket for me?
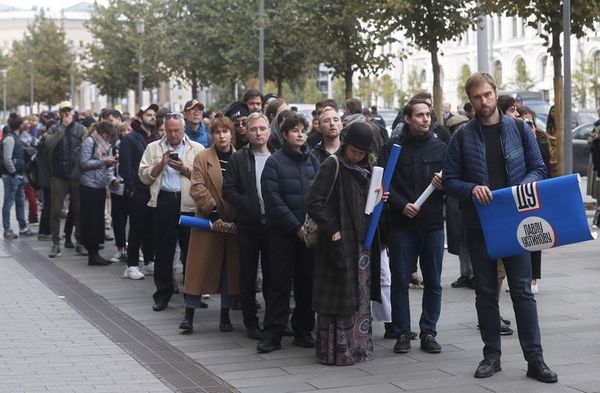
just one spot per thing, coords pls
(130, 154)
(284, 182)
(239, 188)
(419, 159)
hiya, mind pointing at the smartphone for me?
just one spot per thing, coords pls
(174, 156)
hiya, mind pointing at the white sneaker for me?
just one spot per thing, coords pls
(534, 288)
(148, 269)
(133, 273)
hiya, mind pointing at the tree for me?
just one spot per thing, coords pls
(365, 90)
(585, 78)
(310, 92)
(339, 90)
(522, 81)
(414, 82)
(113, 56)
(44, 53)
(429, 23)
(346, 35)
(549, 14)
(465, 73)
(388, 90)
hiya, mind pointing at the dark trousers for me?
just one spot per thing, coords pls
(167, 232)
(518, 273)
(141, 231)
(118, 213)
(536, 265)
(45, 217)
(69, 222)
(31, 196)
(92, 217)
(252, 242)
(59, 188)
(289, 260)
(406, 246)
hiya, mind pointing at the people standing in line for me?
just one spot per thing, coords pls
(166, 168)
(272, 110)
(416, 232)
(63, 143)
(496, 151)
(346, 275)
(95, 161)
(141, 232)
(330, 128)
(43, 176)
(238, 113)
(213, 260)
(253, 98)
(284, 183)
(195, 128)
(242, 189)
(554, 168)
(13, 178)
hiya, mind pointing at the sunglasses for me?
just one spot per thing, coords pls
(176, 116)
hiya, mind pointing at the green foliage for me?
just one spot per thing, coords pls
(586, 80)
(338, 90)
(44, 52)
(365, 91)
(465, 73)
(414, 82)
(345, 35)
(387, 90)
(311, 93)
(113, 56)
(522, 81)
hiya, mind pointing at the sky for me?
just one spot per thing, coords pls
(56, 5)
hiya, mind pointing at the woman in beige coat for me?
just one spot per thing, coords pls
(212, 262)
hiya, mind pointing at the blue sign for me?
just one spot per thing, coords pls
(534, 216)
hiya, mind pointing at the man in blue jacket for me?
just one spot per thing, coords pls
(496, 151)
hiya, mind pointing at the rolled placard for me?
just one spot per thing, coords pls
(375, 193)
(387, 179)
(426, 194)
(195, 222)
(534, 216)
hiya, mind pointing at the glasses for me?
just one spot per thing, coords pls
(195, 111)
(176, 116)
(241, 123)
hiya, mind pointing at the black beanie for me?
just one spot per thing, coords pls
(360, 135)
(237, 109)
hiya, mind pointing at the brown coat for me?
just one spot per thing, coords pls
(208, 250)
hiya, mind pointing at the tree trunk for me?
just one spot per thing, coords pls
(194, 83)
(556, 52)
(437, 87)
(348, 83)
(280, 86)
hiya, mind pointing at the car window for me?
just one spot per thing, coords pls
(583, 131)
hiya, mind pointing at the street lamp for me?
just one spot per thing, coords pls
(140, 31)
(4, 73)
(261, 46)
(30, 63)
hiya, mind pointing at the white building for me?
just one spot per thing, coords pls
(509, 41)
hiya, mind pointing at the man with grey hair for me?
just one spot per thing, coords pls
(166, 168)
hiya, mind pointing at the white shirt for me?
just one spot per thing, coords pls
(259, 164)
(171, 180)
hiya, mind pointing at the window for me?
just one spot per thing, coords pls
(498, 73)
(499, 27)
(514, 27)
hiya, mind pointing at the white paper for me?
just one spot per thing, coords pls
(426, 194)
(375, 192)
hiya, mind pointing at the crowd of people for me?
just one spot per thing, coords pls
(268, 180)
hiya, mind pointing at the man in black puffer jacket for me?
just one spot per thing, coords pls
(285, 180)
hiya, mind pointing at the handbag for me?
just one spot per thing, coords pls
(311, 228)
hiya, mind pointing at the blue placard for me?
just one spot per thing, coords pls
(534, 216)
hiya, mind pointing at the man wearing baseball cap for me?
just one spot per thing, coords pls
(238, 112)
(195, 128)
(62, 145)
(140, 215)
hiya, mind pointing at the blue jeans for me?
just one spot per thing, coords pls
(405, 247)
(14, 194)
(518, 274)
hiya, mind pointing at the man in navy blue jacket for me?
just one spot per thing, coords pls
(495, 151)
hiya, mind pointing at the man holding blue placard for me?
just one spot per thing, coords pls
(495, 151)
(416, 232)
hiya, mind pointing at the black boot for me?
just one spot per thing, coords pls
(225, 323)
(94, 259)
(389, 330)
(187, 325)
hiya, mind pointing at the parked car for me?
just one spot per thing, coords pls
(540, 107)
(581, 150)
(584, 116)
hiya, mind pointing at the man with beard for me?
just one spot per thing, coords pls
(330, 127)
(495, 151)
(238, 113)
(253, 98)
(195, 128)
(63, 143)
(132, 148)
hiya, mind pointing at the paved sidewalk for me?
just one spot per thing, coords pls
(48, 347)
